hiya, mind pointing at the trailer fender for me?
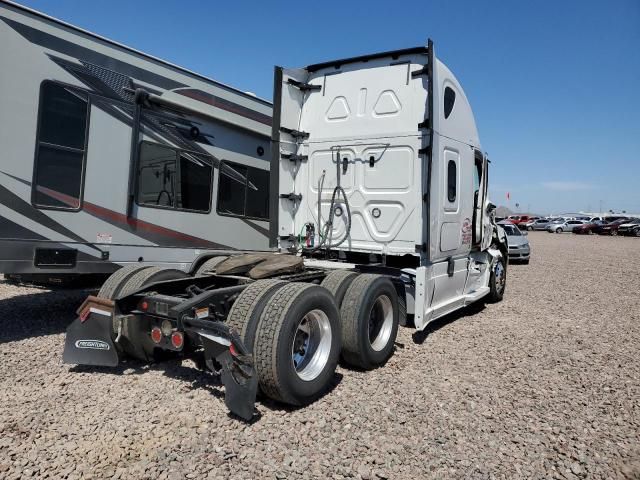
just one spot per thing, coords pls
(88, 340)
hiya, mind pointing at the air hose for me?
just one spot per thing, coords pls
(329, 224)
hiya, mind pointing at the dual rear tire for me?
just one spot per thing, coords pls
(370, 318)
(298, 331)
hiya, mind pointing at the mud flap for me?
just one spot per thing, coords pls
(238, 375)
(88, 340)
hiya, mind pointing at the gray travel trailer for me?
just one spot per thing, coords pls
(380, 215)
(111, 157)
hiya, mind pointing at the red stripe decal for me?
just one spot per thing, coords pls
(124, 221)
(223, 104)
(137, 224)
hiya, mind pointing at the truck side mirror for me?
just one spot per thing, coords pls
(491, 207)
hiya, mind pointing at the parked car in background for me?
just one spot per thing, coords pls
(567, 226)
(633, 231)
(588, 228)
(519, 248)
(611, 228)
(527, 225)
(628, 227)
(520, 220)
(613, 218)
(539, 224)
(554, 221)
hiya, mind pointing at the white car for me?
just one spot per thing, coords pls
(568, 226)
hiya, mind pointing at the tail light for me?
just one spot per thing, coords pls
(233, 351)
(177, 339)
(156, 335)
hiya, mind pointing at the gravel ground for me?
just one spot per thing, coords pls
(545, 384)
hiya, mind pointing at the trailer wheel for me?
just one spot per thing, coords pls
(370, 317)
(337, 283)
(111, 287)
(135, 339)
(497, 281)
(209, 265)
(246, 310)
(297, 344)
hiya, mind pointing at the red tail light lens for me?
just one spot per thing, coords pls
(233, 351)
(177, 339)
(156, 334)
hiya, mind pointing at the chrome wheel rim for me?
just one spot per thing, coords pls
(311, 345)
(500, 276)
(380, 322)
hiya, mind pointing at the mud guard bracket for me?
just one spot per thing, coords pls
(238, 375)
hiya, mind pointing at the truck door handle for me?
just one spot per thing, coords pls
(372, 161)
(345, 164)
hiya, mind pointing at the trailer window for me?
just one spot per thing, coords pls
(171, 178)
(61, 145)
(243, 191)
(451, 181)
(449, 101)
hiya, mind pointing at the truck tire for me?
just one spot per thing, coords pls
(297, 344)
(403, 318)
(149, 275)
(111, 287)
(370, 317)
(246, 310)
(209, 265)
(135, 340)
(497, 281)
(337, 283)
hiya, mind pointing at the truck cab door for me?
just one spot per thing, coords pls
(479, 197)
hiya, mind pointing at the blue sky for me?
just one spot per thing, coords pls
(555, 85)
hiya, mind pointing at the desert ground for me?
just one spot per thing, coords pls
(545, 384)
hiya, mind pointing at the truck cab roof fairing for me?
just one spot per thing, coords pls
(460, 124)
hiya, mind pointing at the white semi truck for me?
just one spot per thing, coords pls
(379, 218)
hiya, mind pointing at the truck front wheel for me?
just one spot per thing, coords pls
(297, 344)
(497, 280)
